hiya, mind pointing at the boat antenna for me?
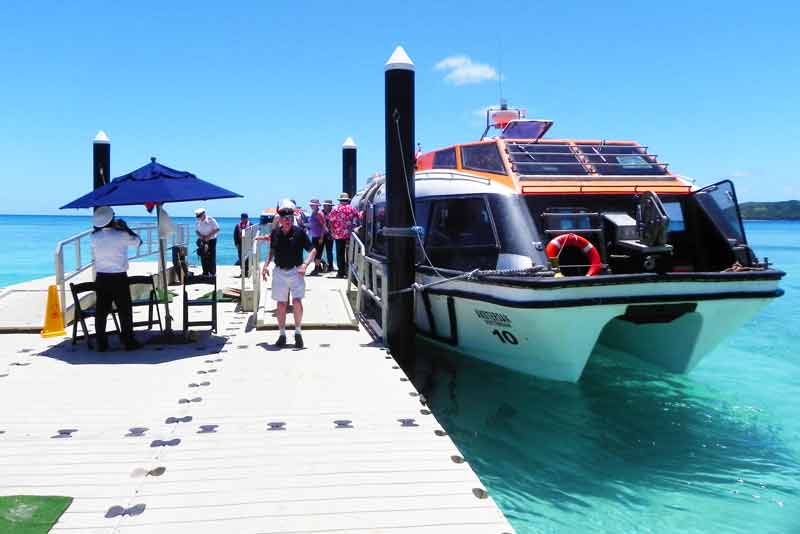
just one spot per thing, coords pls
(500, 69)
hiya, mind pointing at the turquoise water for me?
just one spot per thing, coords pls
(629, 449)
(29, 243)
(632, 449)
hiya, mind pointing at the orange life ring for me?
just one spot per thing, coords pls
(554, 247)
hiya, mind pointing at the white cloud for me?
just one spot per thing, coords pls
(461, 70)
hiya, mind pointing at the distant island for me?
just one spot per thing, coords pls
(788, 210)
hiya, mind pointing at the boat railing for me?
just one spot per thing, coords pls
(251, 285)
(84, 259)
(369, 276)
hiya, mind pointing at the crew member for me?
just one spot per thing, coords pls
(287, 245)
(110, 241)
(243, 224)
(207, 230)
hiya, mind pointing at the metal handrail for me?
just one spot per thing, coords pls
(370, 276)
(148, 233)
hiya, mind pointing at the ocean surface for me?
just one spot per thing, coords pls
(633, 449)
(29, 243)
(628, 449)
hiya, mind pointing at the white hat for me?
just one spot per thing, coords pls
(199, 211)
(286, 204)
(102, 216)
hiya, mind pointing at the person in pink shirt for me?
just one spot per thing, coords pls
(343, 218)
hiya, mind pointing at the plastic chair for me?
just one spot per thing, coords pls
(187, 303)
(151, 301)
(80, 314)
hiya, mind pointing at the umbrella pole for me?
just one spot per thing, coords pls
(163, 268)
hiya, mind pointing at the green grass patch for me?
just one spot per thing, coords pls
(221, 296)
(160, 295)
(31, 514)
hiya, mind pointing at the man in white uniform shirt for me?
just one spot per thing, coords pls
(110, 242)
(207, 230)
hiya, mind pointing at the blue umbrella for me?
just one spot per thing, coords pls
(158, 184)
(152, 183)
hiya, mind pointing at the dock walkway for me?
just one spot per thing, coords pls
(231, 434)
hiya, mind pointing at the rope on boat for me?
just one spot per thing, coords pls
(474, 274)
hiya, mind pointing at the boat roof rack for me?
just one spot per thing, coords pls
(585, 159)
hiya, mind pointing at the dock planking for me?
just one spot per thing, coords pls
(231, 434)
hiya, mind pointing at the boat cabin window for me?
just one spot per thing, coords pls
(675, 214)
(484, 157)
(461, 234)
(445, 159)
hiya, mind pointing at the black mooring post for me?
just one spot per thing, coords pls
(349, 171)
(101, 159)
(399, 333)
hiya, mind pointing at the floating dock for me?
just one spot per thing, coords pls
(231, 434)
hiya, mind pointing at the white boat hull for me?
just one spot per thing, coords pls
(550, 333)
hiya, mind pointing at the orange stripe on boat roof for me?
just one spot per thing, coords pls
(606, 187)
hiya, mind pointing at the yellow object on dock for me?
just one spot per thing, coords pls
(53, 318)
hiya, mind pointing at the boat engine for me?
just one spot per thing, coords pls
(639, 245)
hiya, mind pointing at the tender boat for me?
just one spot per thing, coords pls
(536, 249)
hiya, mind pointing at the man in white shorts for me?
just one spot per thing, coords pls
(287, 245)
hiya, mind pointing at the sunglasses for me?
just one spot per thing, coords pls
(285, 213)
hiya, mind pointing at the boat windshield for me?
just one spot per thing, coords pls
(525, 129)
(719, 202)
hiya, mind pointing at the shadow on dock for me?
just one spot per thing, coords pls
(205, 344)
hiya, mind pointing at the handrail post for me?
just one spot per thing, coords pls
(244, 254)
(59, 260)
(359, 278)
(255, 272)
(384, 300)
(78, 264)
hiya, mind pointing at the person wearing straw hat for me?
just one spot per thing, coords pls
(207, 230)
(343, 219)
(110, 241)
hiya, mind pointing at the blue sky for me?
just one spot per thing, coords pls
(258, 97)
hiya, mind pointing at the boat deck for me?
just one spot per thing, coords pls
(230, 434)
